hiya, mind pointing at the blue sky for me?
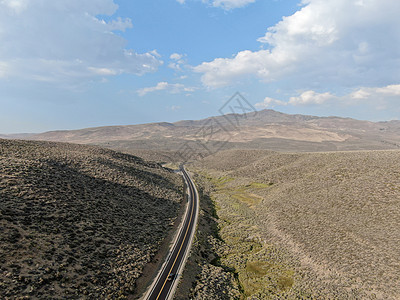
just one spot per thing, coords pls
(70, 64)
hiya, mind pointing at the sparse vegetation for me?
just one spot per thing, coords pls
(204, 276)
(326, 225)
(79, 221)
(259, 268)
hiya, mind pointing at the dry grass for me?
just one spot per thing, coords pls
(328, 224)
(79, 221)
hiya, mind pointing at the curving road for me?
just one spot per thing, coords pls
(166, 281)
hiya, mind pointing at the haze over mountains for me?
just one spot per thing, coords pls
(266, 129)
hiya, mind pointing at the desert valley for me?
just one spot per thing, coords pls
(200, 150)
(317, 223)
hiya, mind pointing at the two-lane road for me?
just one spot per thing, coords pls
(165, 284)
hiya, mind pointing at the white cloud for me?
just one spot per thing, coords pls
(311, 97)
(376, 94)
(338, 42)
(66, 40)
(224, 71)
(370, 98)
(102, 71)
(270, 103)
(155, 53)
(178, 61)
(174, 66)
(376, 100)
(159, 87)
(225, 4)
(231, 4)
(176, 56)
(173, 88)
(360, 94)
(119, 24)
(393, 90)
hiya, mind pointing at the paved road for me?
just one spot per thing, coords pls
(163, 288)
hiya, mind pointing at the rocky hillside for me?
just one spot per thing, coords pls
(79, 221)
(308, 225)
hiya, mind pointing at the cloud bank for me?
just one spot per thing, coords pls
(63, 40)
(342, 42)
(371, 98)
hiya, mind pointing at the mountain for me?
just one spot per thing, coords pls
(16, 136)
(266, 129)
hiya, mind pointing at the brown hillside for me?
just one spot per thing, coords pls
(266, 129)
(332, 218)
(79, 221)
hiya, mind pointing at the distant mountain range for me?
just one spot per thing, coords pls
(266, 129)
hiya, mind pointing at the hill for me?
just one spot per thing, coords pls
(79, 221)
(307, 225)
(266, 129)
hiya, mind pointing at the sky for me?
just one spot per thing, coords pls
(71, 64)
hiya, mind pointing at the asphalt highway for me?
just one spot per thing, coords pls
(166, 281)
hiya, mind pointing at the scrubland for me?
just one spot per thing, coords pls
(306, 225)
(79, 221)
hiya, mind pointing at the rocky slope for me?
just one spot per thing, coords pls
(79, 221)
